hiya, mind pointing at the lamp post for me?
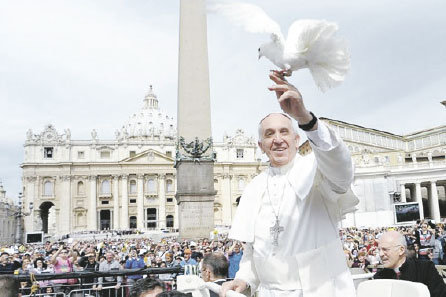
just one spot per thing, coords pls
(18, 216)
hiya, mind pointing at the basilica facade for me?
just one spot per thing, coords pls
(129, 182)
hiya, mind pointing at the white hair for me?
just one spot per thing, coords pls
(293, 124)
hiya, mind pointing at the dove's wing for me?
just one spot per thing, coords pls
(249, 16)
(313, 44)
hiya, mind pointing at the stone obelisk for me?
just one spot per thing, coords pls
(194, 156)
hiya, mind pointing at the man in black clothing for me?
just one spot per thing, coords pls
(89, 263)
(5, 265)
(393, 247)
(214, 269)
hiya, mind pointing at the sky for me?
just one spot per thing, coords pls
(87, 64)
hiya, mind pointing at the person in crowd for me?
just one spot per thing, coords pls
(147, 287)
(425, 240)
(62, 262)
(393, 245)
(373, 257)
(48, 292)
(361, 261)
(88, 263)
(169, 260)
(215, 269)
(6, 265)
(288, 214)
(114, 283)
(234, 256)
(40, 267)
(188, 259)
(437, 252)
(134, 261)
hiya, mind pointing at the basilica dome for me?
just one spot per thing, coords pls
(149, 123)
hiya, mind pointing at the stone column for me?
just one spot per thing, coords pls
(29, 197)
(226, 199)
(140, 203)
(124, 203)
(116, 202)
(195, 186)
(92, 207)
(419, 199)
(162, 202)
(64, 221)
(435, 207)
(403, 193)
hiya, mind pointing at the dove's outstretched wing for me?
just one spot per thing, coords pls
(249, 16)
(315, 44)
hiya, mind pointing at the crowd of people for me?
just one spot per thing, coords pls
(425, 240)
(111, 254)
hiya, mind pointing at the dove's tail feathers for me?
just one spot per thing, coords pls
(248, 16)
(325, 54)
(302, 34)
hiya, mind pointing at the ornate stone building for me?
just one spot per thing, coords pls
(129, 181)
(126, 182)
(391, 169)
(8, 221)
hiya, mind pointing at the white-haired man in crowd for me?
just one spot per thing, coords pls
(393, 253)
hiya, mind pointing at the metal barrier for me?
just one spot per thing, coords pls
(86, 289)
(109, 291)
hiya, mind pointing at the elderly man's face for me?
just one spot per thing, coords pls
(278, 140)
(390, 252)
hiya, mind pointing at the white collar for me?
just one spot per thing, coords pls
(282, 170)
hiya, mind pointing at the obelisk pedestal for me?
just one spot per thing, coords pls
(194, 156)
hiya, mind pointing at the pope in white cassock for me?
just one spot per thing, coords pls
(288, 214)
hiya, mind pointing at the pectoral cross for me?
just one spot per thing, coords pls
(275, 230)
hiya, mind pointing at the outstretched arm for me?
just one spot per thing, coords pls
(333, 157)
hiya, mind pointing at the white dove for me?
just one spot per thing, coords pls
(310, 44)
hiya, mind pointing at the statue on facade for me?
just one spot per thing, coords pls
(94, 134)
(68, 134)
(29, 134)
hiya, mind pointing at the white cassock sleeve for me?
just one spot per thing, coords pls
(247, 270)
(333, 158)
(336, 167)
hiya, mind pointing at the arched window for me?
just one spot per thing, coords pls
(169, 185)
(80, 188)
(169, 221)
(133, 187)
(105, 187)
(48, 188)
(151, 186)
